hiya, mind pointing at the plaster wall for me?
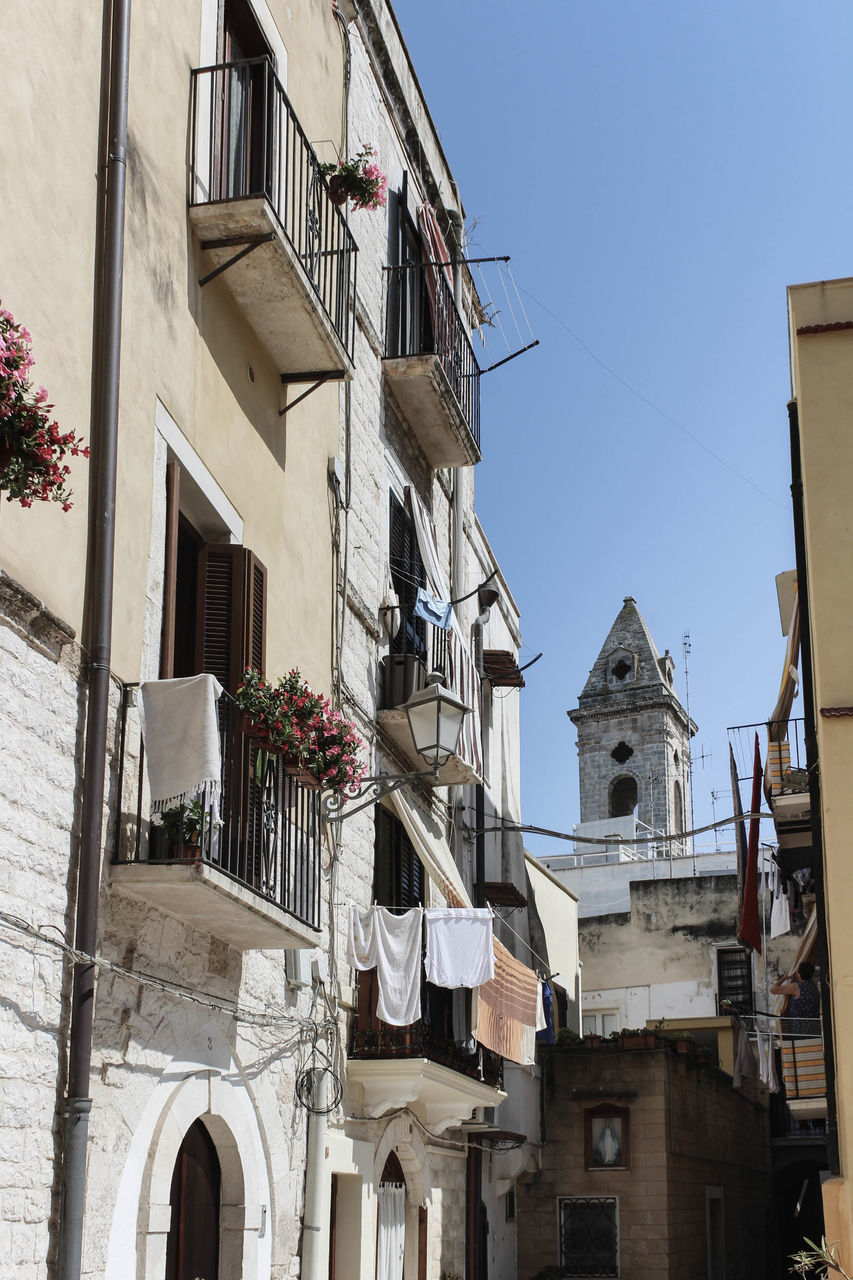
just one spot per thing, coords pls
(823, 389)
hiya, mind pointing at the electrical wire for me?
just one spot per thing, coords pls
(614, 837)
(651, 404)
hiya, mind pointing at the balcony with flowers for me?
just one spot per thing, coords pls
(241, 858)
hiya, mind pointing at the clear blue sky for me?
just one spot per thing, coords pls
(658, 172)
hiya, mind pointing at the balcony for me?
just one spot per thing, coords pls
(253, 880)
(262, 214)
(430, 365)
(418, 649)
(419, 1066)
(786, 784)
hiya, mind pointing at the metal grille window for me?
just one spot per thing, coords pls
(734, 978)
(589, 1238)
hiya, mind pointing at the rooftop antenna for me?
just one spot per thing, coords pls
(685, 641)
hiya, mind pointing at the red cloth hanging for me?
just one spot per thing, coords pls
(750, 920)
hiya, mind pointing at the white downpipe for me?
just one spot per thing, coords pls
(312, 1225)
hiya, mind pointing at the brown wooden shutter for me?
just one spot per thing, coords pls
(220, 620)
(170, 570)
(254, 650)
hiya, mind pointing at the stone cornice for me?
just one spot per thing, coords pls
(650, 702)
(31, 619)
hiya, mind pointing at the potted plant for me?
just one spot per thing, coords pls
(683, 1041)
(592, 1040)
(32, 448)
(318, 745)
(568, 1037)
(185, 827)
(632, 1038)
(359, 179)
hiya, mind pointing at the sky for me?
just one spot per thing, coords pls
(658, 173)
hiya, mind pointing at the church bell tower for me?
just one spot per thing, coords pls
(633, 733)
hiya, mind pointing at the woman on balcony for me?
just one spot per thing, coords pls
(803, 1007)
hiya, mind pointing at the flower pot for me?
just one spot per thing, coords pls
(291, 765)
(187, 853)
(633, 1042)
(338, 188)
(682, 1046)
(592, 1041)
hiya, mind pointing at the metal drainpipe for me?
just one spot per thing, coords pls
(812, 765)
(106, 355)
(314, 1157)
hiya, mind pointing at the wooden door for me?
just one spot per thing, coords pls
(192, 1247)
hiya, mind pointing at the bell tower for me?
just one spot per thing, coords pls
(633, 733)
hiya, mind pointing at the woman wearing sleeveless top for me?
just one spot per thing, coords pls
(803, 1008)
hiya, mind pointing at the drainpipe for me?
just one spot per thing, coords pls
(314, 1160)
(812, 765)
(106, 349)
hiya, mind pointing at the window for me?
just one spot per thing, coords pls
(623, 797)
(509, 1206)
(589, 1239)
(398, 871)
(715, 1236)
(408, 573)
(677, 807)
(734, 978)
(214, 599)
(607, 1137)
(246, 130)
(601, 1024)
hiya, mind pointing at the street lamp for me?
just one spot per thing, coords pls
(435, 716)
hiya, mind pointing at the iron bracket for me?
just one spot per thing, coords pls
(317, 379)
(248, 243)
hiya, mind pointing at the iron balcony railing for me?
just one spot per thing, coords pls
(431, 1037)
(267, 834)
(245, 142)
(423, 319)
(783, 754)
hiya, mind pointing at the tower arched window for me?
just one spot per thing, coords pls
(623, 797)
(677, 807)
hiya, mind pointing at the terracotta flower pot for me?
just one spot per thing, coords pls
(291, 765)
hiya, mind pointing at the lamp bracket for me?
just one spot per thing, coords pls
(334, 806)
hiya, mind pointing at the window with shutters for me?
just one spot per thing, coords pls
(734, 978)
(398, 871)
(408, 573)
(214, 600)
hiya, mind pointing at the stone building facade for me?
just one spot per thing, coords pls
(647, 1199)
(225, 1009)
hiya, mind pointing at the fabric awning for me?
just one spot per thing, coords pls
(433, 850)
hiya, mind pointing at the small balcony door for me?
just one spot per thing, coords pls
(246, 123)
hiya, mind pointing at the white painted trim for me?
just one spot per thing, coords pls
(198, 472)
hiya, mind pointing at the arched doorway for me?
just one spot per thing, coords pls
(192, 1247)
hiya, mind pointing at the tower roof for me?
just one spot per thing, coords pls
(629, 664)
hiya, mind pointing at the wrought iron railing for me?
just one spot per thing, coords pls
(431, 1037)
(266, 836)
(246, 141)
(423, 319)
(783, 752)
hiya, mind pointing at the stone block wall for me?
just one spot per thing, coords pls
(689, 1131)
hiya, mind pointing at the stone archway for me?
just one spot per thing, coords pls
(215, 1094)
(402, 1139)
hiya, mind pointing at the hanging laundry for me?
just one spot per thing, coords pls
(390, 944)
(180, 729)
(505, 1009)
(745, 1067)
(766, 1055)
(780, 911)
(459, 951)
(749, 925)
(438, 612)
(545, 1034)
